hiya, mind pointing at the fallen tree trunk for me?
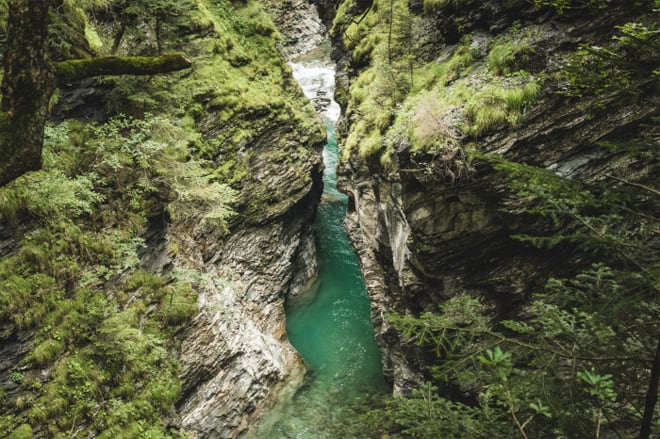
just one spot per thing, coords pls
(77, 69)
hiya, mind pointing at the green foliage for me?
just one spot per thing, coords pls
(495, 107)
(104, 332)
(47, 351)
(22, 432)
(537, 373)
(553, 347)
(498, 360)
(507, 56)
(196, 190)
(4, 13)
(134, 155)
(562, 6)
(69, 197)
(426, 415)
(16, 377)
(631, 58)
(599, 386)
(442, 73)
(103, 360)
(384, 39)
(67, 32)
(433, 5)
(435, 106)
(457, 326)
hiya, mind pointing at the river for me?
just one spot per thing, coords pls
(330, 325)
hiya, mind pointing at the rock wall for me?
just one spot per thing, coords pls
(300, 25)
(423, 238)
(234, 355)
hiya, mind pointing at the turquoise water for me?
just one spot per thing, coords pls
(330, 325)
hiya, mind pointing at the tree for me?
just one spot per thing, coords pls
(31, 78)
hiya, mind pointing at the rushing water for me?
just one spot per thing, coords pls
(330, 325)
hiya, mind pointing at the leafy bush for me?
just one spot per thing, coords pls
(22, 432)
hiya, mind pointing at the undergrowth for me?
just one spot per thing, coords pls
(102, 328)
(436, 107)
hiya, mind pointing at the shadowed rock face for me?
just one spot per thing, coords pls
(421, 239)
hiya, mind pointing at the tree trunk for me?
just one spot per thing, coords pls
(651, 397)
(30, 80)
(27, 86)
(118, 38)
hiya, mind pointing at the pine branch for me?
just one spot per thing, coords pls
(637, 185)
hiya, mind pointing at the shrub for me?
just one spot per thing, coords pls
(432, 124)
(49, 195)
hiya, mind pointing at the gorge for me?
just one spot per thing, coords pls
(498, 165)
(330, 325)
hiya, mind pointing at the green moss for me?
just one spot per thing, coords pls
(104, 330)
(371, 143)
(180, 304)
(47, 351)
(99, 341)
(22, 432)
(77, 69)
(69, 197)
(362, 53)
(444, 72)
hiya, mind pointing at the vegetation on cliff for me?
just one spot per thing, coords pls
(579, 357)
(89, 327)
(466, 93)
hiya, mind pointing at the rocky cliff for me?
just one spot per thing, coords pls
(429, 215)
(212, 186)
